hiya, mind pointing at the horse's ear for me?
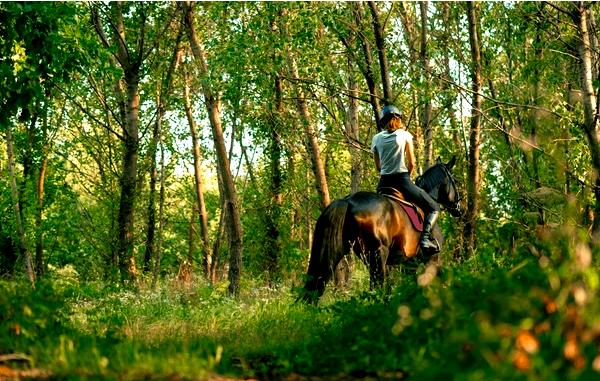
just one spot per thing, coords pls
(451, 162)
(438, 160)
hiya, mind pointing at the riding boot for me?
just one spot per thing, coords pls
(428, 243)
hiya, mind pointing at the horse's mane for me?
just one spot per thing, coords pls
(431, 178)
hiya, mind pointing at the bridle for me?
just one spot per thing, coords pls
(453, 207)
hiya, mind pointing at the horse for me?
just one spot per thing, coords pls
(378, 226)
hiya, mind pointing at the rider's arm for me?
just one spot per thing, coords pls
(377, 160)
(410, 156)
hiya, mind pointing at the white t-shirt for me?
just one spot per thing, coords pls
(391, 149)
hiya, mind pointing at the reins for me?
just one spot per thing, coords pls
(435, 183)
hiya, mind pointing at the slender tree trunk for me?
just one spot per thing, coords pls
(199, 185)
(151, 229)
(581, 17)
(39, 190)
(352, 129)
(212, 102)
(408, 19)
(161, 215)
(450, 94)
(367, 67)
(129, 112)
(473, 182)
(378, 30)
(17, 208)
(39, 239)
(427, 104)
(273, 214)
(534, 119)
(312, 143)
(163, 91)
(127, 266)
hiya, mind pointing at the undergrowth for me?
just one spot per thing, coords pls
(534, 317)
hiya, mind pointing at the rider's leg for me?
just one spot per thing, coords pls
(431, 209)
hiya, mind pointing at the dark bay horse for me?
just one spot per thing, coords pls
(375, 227)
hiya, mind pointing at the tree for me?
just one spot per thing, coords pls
(212, 102)
(130, 57)
(474, 176)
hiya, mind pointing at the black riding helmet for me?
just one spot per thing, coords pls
(387, 113)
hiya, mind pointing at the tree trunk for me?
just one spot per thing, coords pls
(450, 94)
(473, 181)
(163, 91)
(408, 19)
(39, 239)
(17, 209)
(273, 214)
(127, 266)
(130, 62)
(199, 185)
(534, 119)
(161, 215)
(150, 232)
(352, 130)
(367, 67)
(40, 266)
(590, 103)
(378, 29)
(427, 103)
(312, 143)
(212, 103)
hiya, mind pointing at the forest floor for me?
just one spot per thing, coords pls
(528, 316)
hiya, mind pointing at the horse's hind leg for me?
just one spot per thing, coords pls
(377, 260)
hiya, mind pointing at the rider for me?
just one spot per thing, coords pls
(394, 156)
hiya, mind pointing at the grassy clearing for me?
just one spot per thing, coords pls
(533, 317)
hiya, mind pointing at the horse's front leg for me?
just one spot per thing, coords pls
(377, 265)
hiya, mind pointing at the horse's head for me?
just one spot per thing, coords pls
(449, 195)
(439, 182)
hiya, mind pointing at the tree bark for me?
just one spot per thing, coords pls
(581, 16)
(367, 67)
(408, 19)
(273, 214)
(212, 103)
(473, 181)
(378, 30)
(39, 239)
(130, 62)
(311, 141)
(352, 130)
(24, 251)
(427, 104)
(40, 266)
(450, 94)
(161, 215)
(163, 92)
(199, 185)
(534, 120)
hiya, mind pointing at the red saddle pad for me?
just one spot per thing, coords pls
(414, 214)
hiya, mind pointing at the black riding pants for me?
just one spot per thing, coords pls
(411, 192)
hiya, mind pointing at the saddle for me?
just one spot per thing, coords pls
(415, 215)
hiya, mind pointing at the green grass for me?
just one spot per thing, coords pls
(464, 323)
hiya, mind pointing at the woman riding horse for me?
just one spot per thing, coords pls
(394, 156)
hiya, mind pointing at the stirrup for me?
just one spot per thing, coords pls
(431, 250)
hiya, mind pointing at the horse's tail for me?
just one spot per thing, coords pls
(327, 250)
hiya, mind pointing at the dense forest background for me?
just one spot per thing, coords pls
(147, 143)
